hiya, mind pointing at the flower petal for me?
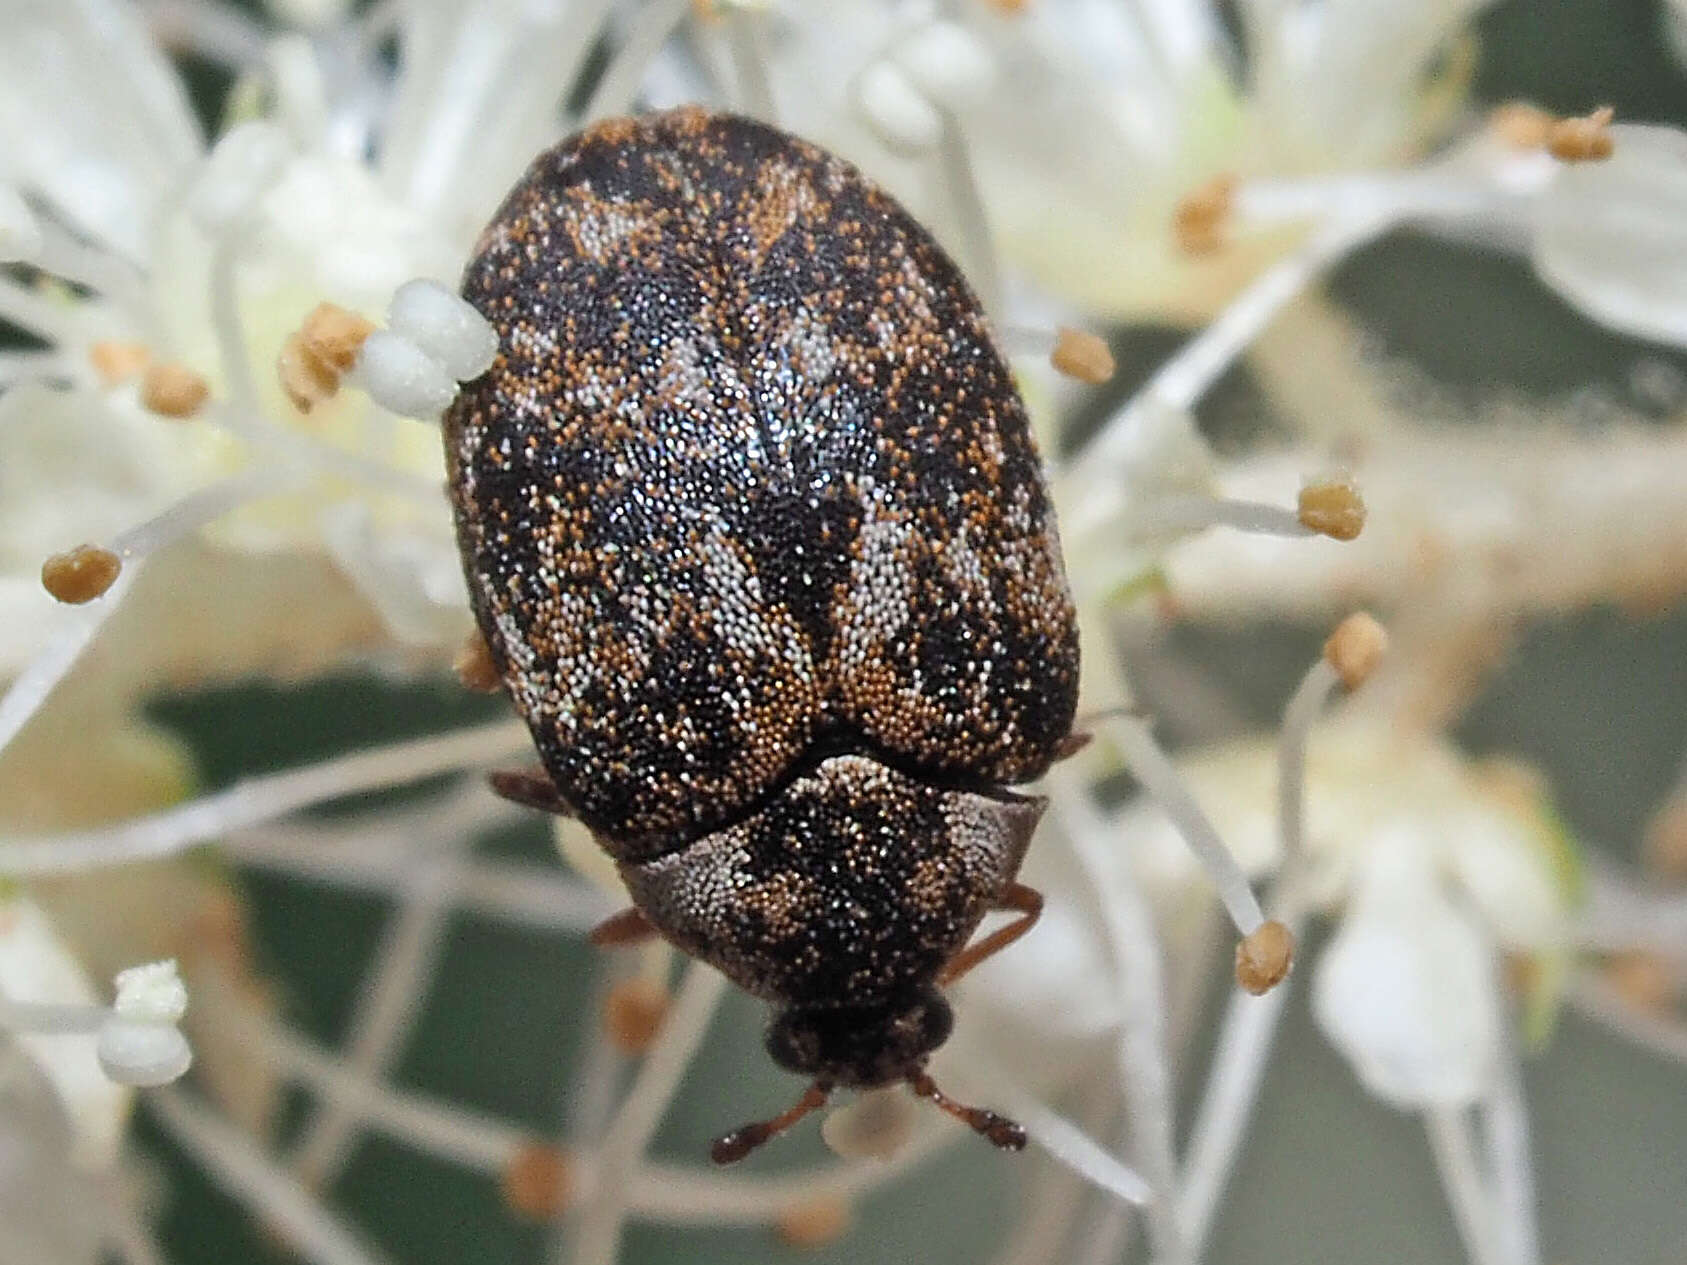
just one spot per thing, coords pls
(1612, 235)
(36, 967)
(1406, 990)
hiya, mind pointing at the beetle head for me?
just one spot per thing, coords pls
(861, 1046)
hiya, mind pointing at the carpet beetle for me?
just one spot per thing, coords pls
(756, 534)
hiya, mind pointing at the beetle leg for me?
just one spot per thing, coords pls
(1023, 900)
(630, 926)
(1071, 744)
(531, 788)
(729, 1148)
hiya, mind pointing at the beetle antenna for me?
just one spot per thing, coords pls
(999, 1129)
(729, 1148)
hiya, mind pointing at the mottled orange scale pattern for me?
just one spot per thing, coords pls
(748, 484)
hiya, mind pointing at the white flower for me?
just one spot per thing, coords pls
(1431, 863)
(1407, 988)
(37, 969)
(1612, 235)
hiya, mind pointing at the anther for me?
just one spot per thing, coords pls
(334, 335)
(1201, 216)
(1355, 648)
(1332, 508)
(1521, 125)
(80, 574)
(474, 666)
(1264, 957)
(1081, 355)
(815, 1223)
(117, 360)
(633, 1014)
(173, 390)
(304, 379)
(537, 1182)
(1580, 140)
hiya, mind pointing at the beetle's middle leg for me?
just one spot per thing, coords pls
(630, 926)
(531, 788)
(1023, 900)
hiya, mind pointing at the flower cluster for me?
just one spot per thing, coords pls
(218, 461)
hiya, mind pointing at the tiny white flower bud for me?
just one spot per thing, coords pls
(139, 1043)
(444, 327)
(244, 163)
(143, 1054)
(899, 114)
(947, 63)
(401, 377)
(153, 993)
(20, 235)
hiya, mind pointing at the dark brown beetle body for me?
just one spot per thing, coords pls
(755, 530)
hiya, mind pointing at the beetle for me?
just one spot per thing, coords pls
(758, 539)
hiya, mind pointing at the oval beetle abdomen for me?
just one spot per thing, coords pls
(756, 533)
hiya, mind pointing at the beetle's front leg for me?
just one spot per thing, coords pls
(531, 788)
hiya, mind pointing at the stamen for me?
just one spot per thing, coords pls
(1582, 140)
(815, 1223)
(633, 1012)
(1144, 1068)
(116, 361)
(1354, 650)
(389, 1000)
(173, 830)
(138, 1041)
(1082, 355)
(1160, 778)
(236, 1163)
(1505, 1128)
(1177, 515)
(1202, 218)
(80, 574)
(538, 1183)
(1333, 508)
(1264, 957)
(599, 1226)
(1183, 379)
(305, 380)
(315, 355)
(1467, 1190)
(432, 1126)
(648, 30)
(958, 183)
(173, 390)
(746, 37)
